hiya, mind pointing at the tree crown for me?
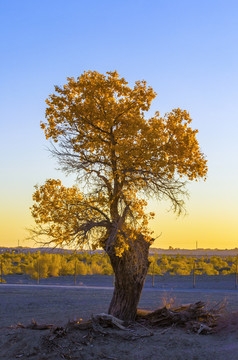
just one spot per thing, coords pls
(100, 131)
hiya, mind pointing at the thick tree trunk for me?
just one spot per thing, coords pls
(130, 273)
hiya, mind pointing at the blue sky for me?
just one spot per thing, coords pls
(186, 50)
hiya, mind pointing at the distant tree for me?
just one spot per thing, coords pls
(38, 268)
(100, 133)
(54, 264)
(67, 266)
(81, 268)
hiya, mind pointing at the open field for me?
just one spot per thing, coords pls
(163, 282)
(59, 303)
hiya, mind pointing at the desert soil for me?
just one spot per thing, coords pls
(59, 303)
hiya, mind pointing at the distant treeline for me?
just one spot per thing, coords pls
(43, 265)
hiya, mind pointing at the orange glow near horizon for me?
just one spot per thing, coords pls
(208, 223)
(179, 232)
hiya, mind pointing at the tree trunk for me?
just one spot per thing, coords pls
(130, 273)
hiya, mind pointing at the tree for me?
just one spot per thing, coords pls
(100, 133)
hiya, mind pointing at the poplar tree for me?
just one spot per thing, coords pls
(99, 131)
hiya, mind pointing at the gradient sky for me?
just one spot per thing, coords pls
(186, 50)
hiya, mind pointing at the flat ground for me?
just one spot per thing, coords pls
(61, 301)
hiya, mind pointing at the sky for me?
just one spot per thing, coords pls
(186, 50)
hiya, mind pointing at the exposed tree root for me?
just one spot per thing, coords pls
(33, 326)
(195, 317)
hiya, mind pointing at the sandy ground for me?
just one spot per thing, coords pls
(59, 304)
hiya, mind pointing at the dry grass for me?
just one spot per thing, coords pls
(169, 301)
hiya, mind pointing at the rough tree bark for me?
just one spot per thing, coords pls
(130, 273)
